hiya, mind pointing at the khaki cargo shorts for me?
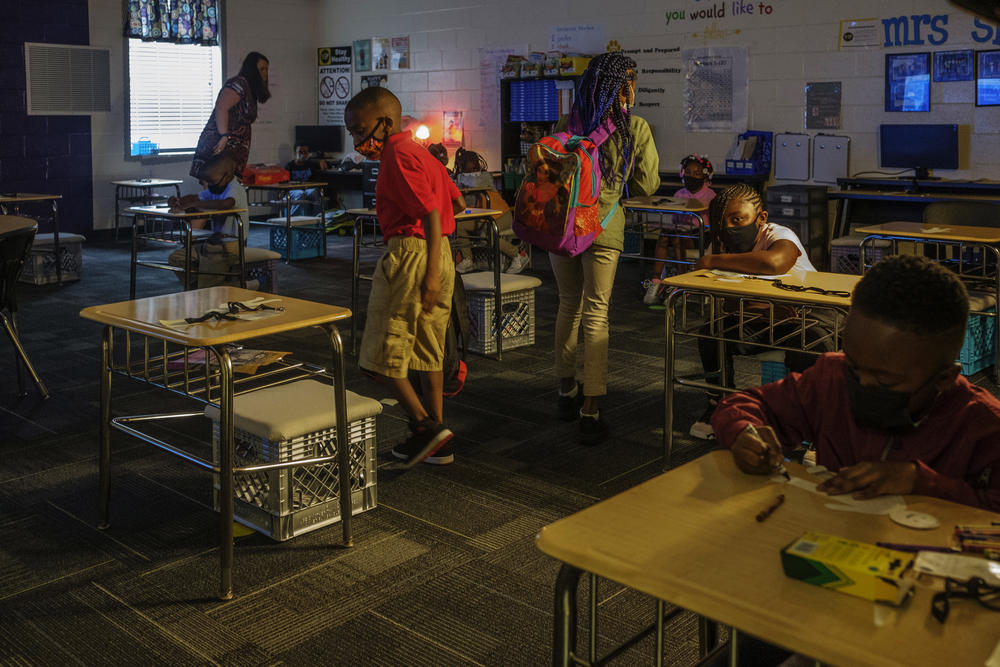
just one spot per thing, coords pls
(399, 336)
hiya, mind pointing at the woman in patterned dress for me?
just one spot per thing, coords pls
(228, 129)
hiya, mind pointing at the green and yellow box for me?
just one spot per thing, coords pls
(856, 568)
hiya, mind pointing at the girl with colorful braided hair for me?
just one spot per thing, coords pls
(605, 94)
(696, 174)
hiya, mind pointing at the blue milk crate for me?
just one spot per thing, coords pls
(760, 162)
(306, 242)
(772, 371)
(979, 350)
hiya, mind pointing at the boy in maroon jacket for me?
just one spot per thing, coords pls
(891, 414)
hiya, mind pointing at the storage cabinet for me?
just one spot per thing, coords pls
(803, 208)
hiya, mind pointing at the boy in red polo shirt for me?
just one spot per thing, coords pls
(410, 301)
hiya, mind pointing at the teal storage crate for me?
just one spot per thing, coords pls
(306, 242)
(772, 371)
(979, 350)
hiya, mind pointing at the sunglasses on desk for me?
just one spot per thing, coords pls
(975, 589)
(811, 289)
(235, 307)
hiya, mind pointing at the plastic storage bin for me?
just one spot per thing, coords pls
(517, 305)
(40, 264)
(760, 162)
(307, 238)
(979, 350)
(845, 253)
(295, 421)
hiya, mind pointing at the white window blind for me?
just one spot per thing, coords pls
(172, 90)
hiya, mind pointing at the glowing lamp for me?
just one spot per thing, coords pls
(423, 133)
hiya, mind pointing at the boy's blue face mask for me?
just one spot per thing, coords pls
(218, 187)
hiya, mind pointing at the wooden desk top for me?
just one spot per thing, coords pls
(287, 185)
(165, 212)
(666, 204)
(920, 230)
(26, 196)
(143, 316)
(908, 196)
(15, 223)
(704, 279)
(148, 183)
(467, 214)
(690, 537)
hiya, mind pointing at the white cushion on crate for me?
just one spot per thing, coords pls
(981, 300)
(297, 220)
(64, 237)
(292, 410)
(854, 241)
(509, 282)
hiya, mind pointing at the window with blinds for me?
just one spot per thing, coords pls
(171, 93)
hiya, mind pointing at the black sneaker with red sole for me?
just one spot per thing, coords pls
(426, 440)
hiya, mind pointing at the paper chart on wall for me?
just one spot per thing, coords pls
(715, 89)
(490, 61)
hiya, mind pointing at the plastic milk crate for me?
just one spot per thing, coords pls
(307, 237)
(979, 350)
(289, 422)
(845, 253)
(517, 305)
(40, 264)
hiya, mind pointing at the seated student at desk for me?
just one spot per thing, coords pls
(222, 192)
(891, 414)
(751, 244)
(301, 169)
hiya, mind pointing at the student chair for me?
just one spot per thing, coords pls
(16, 236)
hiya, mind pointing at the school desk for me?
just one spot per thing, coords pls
(892, 203)
(368, 235)
(983, 275)
(141, 217)
(283, 194)
(137, 345)
(690, 537)
(12, 203)
(755, 311)
(656, 215)
(142, 192)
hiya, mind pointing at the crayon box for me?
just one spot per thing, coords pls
(856, 568)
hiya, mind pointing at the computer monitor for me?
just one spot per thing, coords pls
(320, 138)
(919, 147)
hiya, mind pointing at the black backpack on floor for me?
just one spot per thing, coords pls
(454, 367)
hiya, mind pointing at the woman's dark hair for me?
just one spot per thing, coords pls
(440, 152)
(468, 162)
(250, 72)
(597, 101)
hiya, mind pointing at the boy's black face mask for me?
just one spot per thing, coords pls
(877, 407)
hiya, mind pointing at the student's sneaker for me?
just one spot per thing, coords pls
(518, 263)
(652, 295)
(427, 438)
(464, 263)
(702, 429)
(569, 405)
(444, 456)
(593, 429)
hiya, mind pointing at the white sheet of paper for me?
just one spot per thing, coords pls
(958, 566)
(844, 502)
(935, 230)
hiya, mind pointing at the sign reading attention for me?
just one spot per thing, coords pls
(334, 83)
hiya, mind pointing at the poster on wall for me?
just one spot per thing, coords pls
(987, 78)
(381, 51)
(715, 89)
(334, 84)
(908, 82)
(860, 33)
(582, 38)
(953, 65)
(374, 80)
(400, 53)
(490, 62)
(452, 128)
(823, 105)
(362, 55)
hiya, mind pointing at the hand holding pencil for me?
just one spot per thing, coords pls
(756, 450)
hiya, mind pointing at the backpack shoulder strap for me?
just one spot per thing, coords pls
(603, 132)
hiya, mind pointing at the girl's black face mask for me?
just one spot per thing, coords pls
(877, 407)
(741, 239)
(693, 184)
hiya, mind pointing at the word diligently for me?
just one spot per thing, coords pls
(908, 31)
(718, 11)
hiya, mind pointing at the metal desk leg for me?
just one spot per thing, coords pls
(322, 221)
(669, 354)
(708, 636)
(241, 236)
(187, 255)
(55, 240)
(355, 284)
(21, 358)
(135, 250)
(497, 288)
(226, 501)
(564, 624)
(104, 440)
(343, 443)
(734, 647)
(117, 209)
(288, 228)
